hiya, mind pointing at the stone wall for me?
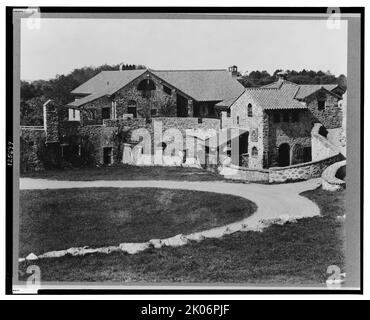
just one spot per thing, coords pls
(302, 171)
(331, 115)
(329, 180)
(30, 140)
(52, 114)
(253, 123)
(161, 102)
(245, 174)
(322, 148)
(295, 134)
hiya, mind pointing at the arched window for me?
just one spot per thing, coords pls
(254, 152)
(146, 87)
(250, 111)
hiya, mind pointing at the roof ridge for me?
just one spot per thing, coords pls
(177, 70)
(261, 88)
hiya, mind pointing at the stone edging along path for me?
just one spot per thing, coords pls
(276, 204)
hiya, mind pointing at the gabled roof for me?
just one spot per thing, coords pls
(107, 81)
(307, 89)
(201, 85)
(281, 95)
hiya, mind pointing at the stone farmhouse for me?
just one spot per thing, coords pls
(279, 125)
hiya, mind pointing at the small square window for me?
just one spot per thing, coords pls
(153, 112)
(321, 104)
(200, 120)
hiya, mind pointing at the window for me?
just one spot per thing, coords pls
(250, 111)
(286, 117)
(321, 104)
(228, 112)
(131, 108)
(146, 87)
(73, 115)
(276, 117)
(167, 90)
(254, 152)
(200, 120)
(153, 112)
(295, 116)
(105, 113)
(237, 120)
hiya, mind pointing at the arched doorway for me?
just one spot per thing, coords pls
(284, 155)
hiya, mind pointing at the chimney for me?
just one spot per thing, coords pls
(233, 70)
(281, 75)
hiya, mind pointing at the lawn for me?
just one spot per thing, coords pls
(126, 172)
(292, 254)
(63, 218)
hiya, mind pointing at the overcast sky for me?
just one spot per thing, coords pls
(61, 45)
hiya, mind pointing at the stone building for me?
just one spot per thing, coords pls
(275, 121)
(113, 101)
(278, 125)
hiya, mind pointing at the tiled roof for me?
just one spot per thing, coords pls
(307, 89)
(106, 81)
(201, 85)
(280, 95)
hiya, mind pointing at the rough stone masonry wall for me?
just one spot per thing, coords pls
(253, 124)
(163, 103)
(30, 140)
(100, 137)
(293, 133)
(182, 124)
(331, 116)
(302, 171)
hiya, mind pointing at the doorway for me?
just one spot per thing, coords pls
(107, 155)
(284, 155)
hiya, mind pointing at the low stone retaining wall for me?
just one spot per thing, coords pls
(302, 171)
(245, 174)
(329, 180)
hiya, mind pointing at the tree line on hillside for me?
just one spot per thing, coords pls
(34, 94)
(261, 78)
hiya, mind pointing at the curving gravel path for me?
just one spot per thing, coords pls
(279, 201)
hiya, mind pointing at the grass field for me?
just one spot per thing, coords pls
(292, 254)
(125, 172)
(64, 218)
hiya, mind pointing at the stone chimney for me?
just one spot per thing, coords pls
(281, 75)
(233, 71)
(51, 121)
